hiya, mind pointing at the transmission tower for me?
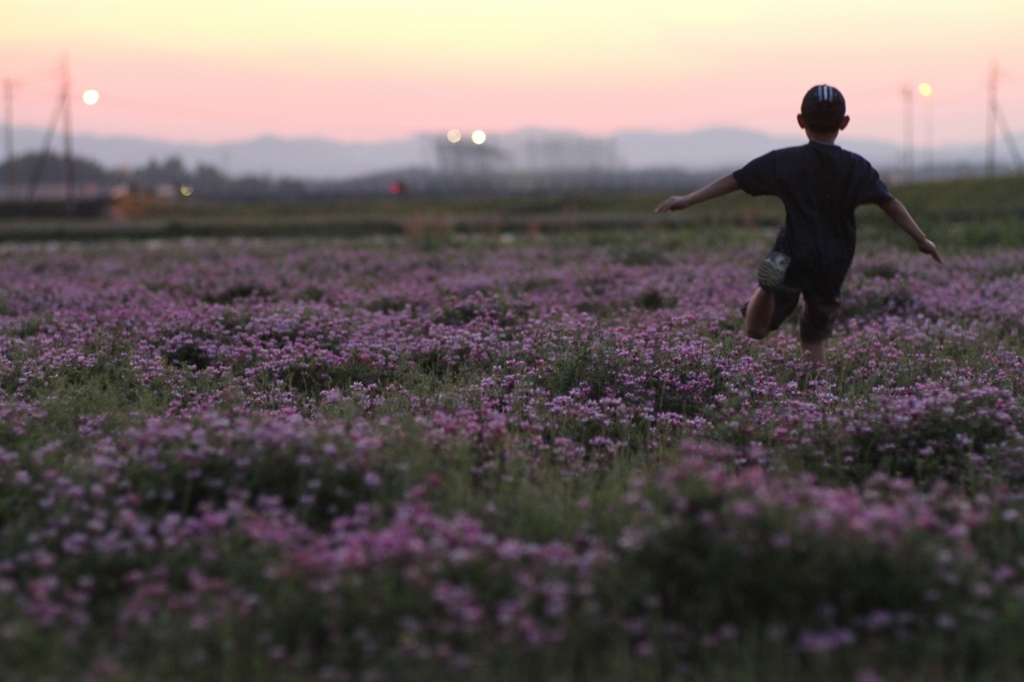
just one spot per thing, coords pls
(69, 163)
(62, 112)
(997, 119)
(12, 173)
(908, 134)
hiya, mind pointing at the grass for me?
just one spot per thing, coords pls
(963, 213)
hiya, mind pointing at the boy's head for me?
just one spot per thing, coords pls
(823, 110)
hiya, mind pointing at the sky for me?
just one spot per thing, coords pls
(225, 70)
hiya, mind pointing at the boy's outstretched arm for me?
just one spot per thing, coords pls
(715, 189)
(899, 214)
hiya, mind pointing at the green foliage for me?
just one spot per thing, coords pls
(583, 362)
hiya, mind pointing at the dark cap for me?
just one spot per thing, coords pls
(823, 107)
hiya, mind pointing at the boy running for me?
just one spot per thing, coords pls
(820, 185)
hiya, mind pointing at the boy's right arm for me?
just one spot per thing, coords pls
(899, 214)
(715, 189)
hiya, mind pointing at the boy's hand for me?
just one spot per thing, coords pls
(928, 246)
(672, 204)
(898, 213)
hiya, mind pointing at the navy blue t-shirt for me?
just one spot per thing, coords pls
(820, 185)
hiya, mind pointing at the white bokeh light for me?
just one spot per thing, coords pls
(479, 137)
(454, 135)
(90, 97)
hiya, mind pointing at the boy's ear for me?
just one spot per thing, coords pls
(800, 121)
(845, 122)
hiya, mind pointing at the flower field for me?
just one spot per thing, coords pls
(340, 460)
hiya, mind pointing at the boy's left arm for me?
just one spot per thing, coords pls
(899, 214)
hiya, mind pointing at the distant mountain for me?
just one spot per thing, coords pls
(725, 148)
(307, 158)
(532, 149)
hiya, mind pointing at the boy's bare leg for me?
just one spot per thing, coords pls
(758, 322)
(815, 352)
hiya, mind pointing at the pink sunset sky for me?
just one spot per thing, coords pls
(220, 70)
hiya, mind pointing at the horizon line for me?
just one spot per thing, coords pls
(496, 135)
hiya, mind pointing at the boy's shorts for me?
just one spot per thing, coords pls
(817, 319)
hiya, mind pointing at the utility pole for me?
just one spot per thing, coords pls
(908, 134)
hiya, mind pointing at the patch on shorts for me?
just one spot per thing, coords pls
(772, 271)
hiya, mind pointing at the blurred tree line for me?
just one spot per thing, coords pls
(204, 181)
(208, 182)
